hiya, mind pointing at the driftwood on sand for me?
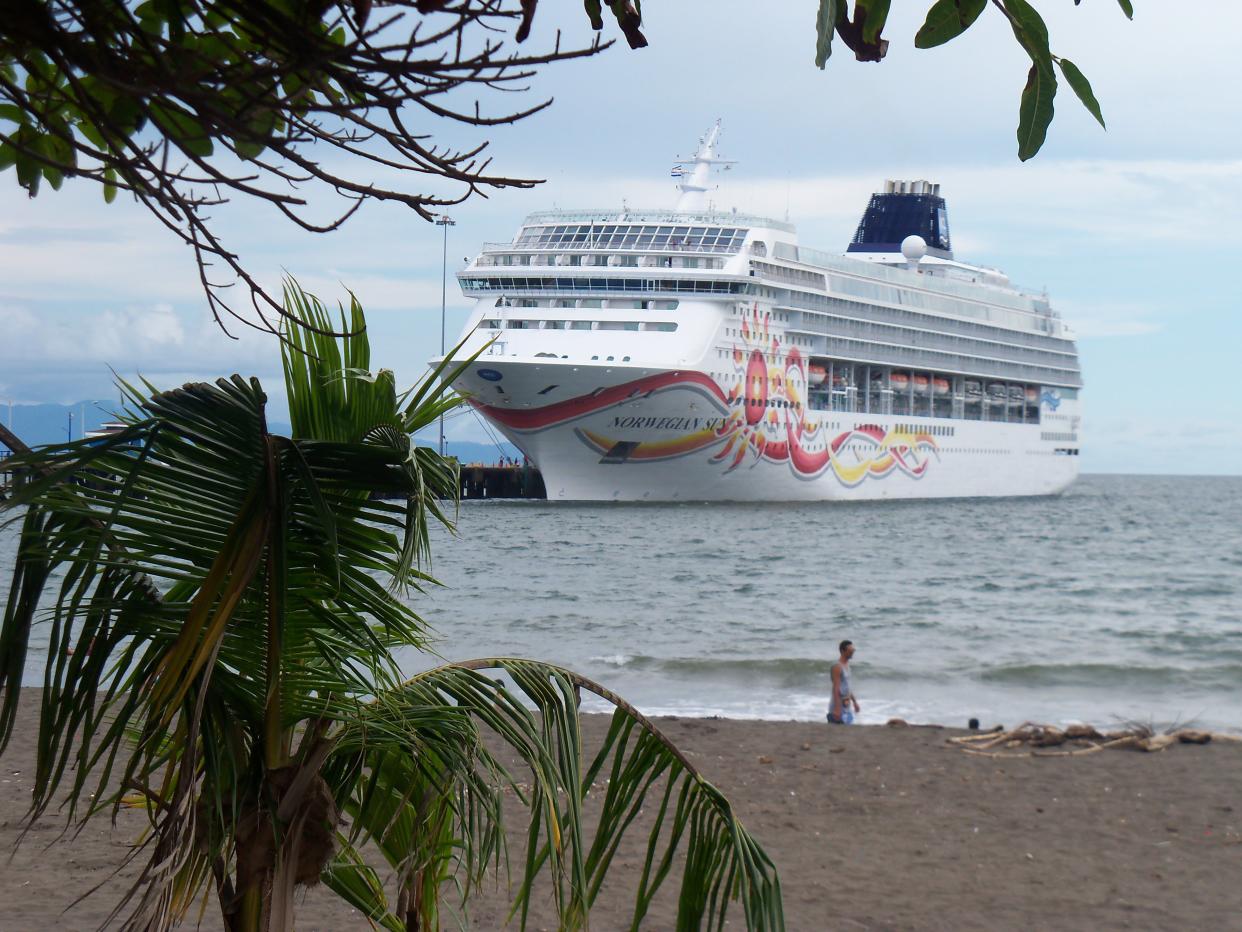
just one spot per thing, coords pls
(1031, 739)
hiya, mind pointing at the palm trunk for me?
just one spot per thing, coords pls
(259, 889)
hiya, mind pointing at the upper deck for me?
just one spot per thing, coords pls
(729, 254)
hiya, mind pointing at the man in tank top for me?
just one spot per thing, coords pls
(840, 711)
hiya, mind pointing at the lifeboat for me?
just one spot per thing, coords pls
(921, 384)
(1015, 394)
(941, 385)
(996, 391)
(1032, 395)
(900, 381)
(973, 389)
(815, 375)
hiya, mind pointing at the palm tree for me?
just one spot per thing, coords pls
(224, 607)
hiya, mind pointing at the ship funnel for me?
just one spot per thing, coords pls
(901, 210)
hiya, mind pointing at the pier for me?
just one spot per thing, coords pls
(478, 481)
(9, 444)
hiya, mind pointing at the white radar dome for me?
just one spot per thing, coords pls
(913, 247)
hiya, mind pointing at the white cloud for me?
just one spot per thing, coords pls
(1094, 319)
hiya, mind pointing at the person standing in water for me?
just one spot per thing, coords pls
(844, 705)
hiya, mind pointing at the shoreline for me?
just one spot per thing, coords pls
(871, 827)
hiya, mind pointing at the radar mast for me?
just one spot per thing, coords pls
(695, 173)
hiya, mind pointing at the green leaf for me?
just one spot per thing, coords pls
(1127, 7)
(1082, 87)
(28, 173)
(90, 130)
(629, 19)
(8, 155)
(595, 13)
(947, 19)
(875, 13)
(1036, 111)
(1031, 31)
(12, 112)
(182, 128)
(109, 185)
(825, 26)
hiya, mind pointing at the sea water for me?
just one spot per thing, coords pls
(1120, 601)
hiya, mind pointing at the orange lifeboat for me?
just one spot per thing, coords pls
(921, 384)
(941, 385)
(815, 375)
(900, 381)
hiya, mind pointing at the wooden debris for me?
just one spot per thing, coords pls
(1077, 740)
(981, 736)
(1086, 732)
(1187, 736)
(1077, 752)
(1047, 737)
(994, 755)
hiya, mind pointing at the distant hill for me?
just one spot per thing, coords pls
(39, 424)
(50, 423)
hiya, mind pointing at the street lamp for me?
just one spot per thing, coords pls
(446, 222)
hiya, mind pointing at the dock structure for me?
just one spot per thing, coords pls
(479, 481)
(6, 477)
(10, 443)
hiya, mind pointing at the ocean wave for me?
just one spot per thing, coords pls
(1104, 675)
(727, 668)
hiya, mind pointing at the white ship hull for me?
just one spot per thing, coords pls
(625, 434)
(653, 355)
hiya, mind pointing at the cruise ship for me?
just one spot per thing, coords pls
(695, 354)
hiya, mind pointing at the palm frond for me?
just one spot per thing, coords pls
(215, 595)
(420, 750)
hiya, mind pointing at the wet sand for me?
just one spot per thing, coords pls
(870, 828)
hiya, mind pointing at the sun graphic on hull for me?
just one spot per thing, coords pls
(770, 420)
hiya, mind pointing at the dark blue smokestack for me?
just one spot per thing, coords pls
(905, 208)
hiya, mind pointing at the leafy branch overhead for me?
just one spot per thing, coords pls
(186, 103)
(315, 109)
(948, 19)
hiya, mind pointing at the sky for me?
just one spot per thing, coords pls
(1129, 230)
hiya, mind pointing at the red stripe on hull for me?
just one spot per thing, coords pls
(539, 418)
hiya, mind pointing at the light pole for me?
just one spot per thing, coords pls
(446, 222)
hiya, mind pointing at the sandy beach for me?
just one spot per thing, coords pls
(870, 827)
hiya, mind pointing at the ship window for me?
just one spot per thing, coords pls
(491, 324)
(625, 358)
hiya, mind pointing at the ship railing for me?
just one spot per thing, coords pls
(588, 246)
(1021, 302)
(657, 215)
